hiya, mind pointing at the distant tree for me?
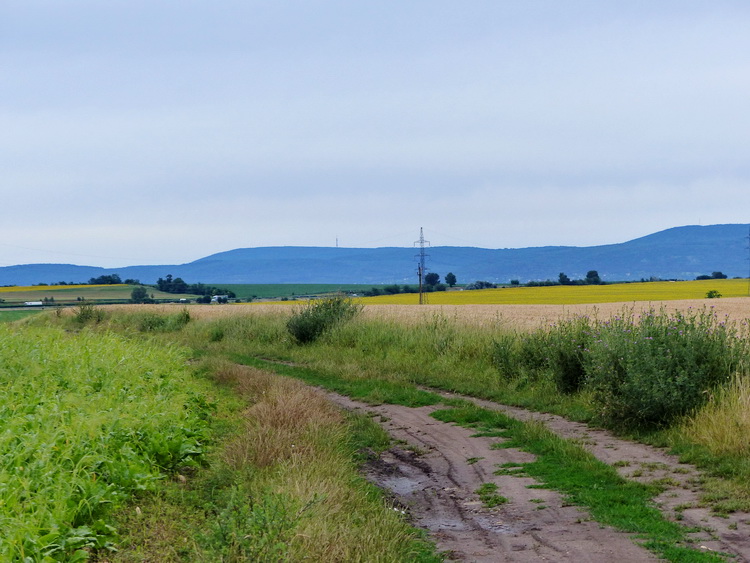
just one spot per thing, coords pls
(450, 279)
(111, 279)
(703, 277)
(140, 295)
(131, 281)
(718, 276)
(563, 279)
(515, 282)
(179, 286)
(592, 277)
(481, 285)
(432, 278)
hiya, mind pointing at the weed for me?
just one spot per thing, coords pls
(488, 495)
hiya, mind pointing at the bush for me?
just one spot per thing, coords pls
(649, 371)
(521, 355)
(312, 320)
(567, 346)
(641, 372)
(88, 312)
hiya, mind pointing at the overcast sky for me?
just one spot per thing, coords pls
(161, 131)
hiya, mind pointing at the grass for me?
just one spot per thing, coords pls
(11, 316)
(571, 294)
(561, 465)
(487, 493)
(285, 487)
(383, 360)
(73, 441)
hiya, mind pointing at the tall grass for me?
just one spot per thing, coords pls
(295, 492)
(723, 424)
(74, 440)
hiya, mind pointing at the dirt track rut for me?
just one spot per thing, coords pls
(437, 487)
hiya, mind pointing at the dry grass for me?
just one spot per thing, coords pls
(295, 443)
(526, 317)
(282, 422)
(522, 317)
(723, 425)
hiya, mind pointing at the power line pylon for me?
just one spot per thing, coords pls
(421, 268)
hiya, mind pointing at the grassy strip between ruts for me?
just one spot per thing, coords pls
(561, 465)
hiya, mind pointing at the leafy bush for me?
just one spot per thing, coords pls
(312, 320)
(648, 371)
(519, 355)
(644, 371)
(567, 346)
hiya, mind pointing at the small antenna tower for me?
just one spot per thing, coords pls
(421, 268)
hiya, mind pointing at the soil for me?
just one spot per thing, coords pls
(434, 472)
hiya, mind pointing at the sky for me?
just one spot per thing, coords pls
(162, 131)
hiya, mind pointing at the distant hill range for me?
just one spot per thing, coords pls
(677, 253)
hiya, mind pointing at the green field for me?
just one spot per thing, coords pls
(15, 315)
(290, 290)
(71, 294)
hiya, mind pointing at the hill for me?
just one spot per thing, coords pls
(676, 253)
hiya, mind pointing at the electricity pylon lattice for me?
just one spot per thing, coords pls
(421, 268)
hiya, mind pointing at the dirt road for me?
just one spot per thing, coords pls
(437, 487)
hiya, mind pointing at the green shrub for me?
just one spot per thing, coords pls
(567, 346)
(87, 312)
(651, 370)
(521, 355)
(158, 322)
(312, 320)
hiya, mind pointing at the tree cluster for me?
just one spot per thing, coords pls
(592, 278)
(713, 276)
(481, 285)
(107, 279)
(178, 285)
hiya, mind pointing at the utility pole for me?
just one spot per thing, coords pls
(421, 267)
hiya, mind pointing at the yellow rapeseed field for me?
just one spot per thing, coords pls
(572, 294)
(47, 288)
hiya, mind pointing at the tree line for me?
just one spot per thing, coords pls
(431, 283)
